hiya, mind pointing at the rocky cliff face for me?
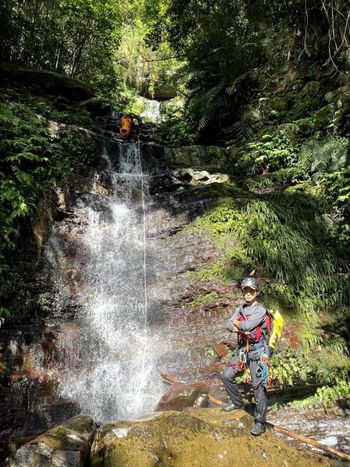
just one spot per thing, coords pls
(33, 355)
(186, 315)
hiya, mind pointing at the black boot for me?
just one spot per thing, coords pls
(258, 429)
(229, 407)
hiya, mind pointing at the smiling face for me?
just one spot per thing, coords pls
(250, 294)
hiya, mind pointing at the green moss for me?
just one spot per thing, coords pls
(221, 271)
(203, 299)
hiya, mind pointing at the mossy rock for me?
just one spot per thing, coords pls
(289, 129)
(341, 94)
(197, 437)
(66, 444)
(51, 82)
(311, 88)
(211, 158)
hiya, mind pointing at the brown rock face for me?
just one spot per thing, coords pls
(205, 438)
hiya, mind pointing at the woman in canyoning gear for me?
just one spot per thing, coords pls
(250, 321)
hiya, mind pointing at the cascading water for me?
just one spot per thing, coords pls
(110, 366)
(152, 111)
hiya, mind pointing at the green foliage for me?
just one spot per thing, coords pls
(326, 156)
(273, 151)
(287, 235)
(287, 176)
(27, 158)
(330, 394)
(32, 159)
(73, 37)
(210, 351)
(288, 367)
(203, 299)
(177, 128)
(337, 190)
(15, 297)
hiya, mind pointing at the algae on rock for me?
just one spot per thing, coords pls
(196, 437)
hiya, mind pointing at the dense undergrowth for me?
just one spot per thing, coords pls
(286, 238)
(33, 157)
(291, 223)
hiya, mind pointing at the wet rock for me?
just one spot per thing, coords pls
(200, 177)
(163, 92)
(212, 158)
(65, 445)
(182, 395)
(196, 437)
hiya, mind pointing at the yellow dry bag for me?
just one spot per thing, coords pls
(276, 327)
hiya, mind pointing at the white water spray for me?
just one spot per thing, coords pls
(111, 377)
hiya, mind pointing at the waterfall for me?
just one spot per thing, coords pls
(110, 365)
(152, 111)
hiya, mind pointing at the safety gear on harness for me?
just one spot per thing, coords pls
(270, 329)
(258, 333)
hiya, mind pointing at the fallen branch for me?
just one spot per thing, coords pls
(170, 378)
(292, 434)
(307, 440)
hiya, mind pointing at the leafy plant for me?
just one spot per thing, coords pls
(330, 394)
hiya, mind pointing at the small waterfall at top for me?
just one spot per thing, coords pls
(152, 111)
(110, 366)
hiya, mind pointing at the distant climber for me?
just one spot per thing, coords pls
(129, 126)
(124, 126)
(250, 321)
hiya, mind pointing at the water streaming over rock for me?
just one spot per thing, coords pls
(152, 111)
(109, 363)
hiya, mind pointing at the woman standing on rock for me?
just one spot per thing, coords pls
(252, 325)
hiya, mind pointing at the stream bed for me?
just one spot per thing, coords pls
(328, 429)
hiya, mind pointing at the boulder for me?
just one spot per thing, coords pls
(46, 80)
(200, 177)
(196, 437)
(182, 395)
(289, 129)
(64, 445)
(95, 106)
(162, 92)
(211, 158)
(340, 95)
